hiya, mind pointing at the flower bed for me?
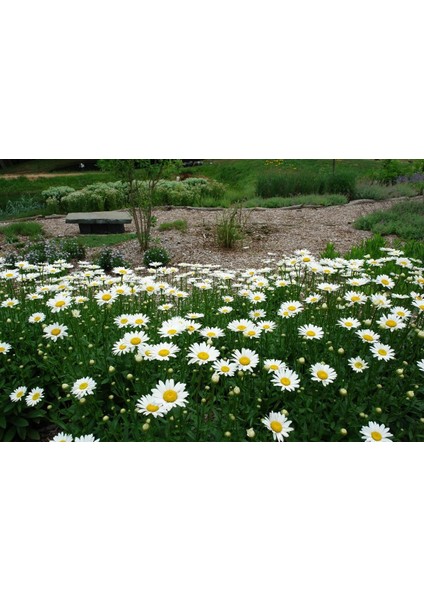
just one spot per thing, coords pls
(299, 350)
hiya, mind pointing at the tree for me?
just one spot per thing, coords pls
(142, 177)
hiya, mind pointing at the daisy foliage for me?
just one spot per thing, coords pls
(295, 348)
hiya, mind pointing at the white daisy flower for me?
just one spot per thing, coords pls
(357, 364)
(355, 297)
(37, 317)
(84, 387)
(5, 347)
(149, 406)
(290, 309)
(224, 367)
(62, 437)
(391, 322)
(55, 332)
(323, 373)
(35, 396)
(18, 394)
(122, 347)
(286, 379)
(349, 323)
(267, 326)
(385, 281)
(59, 302)
(202, 353)
(272, 365)
(373, 432)
(9, 303)
(212, 332)
(139, 320)
(368, 336)
(170, 393)
(135, 339)
(122, 321)
(420, 364)
(245, 360)
(311, 332)
(240, 325)
(105, 297)
(163, 351)
(86, 438)
(278, 424)
(382, 352)
(258, 313)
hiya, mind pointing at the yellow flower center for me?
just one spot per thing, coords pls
(358, 365)
(257, 298)
(322, 375)
(55, 331)
(385, 281)
(241, 327)
(355, 298)
(150, 288)
(244, 360)
(211, 334)
(36, 396)
(106, 297)
(139, 322)
(135, 341)
(152, 407)
(60, 303)
(376, 436)
(285, 380)
(368, 337)
(310, 333)
(122, 346)
(348, 323)
(292, 308)
(163, 352)
(251, 333)
(225, 369)
(172, 331)
(276, 426)
(19, 394)
(83, 386)
(382, 352)
(391, 323)
(2, 348)
(203, 355)
(170, 396)
(124, 321)
(306, 259)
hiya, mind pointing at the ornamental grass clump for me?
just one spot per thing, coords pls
(301, 349)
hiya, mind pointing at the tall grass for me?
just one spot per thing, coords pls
(280, 184)
(314, 199)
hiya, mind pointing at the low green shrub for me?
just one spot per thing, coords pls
(277, 184)
(94, 197)
(179, 225)
(327, 200)
(52, 250)
(378, 191)
(405, 219)
(156, 254)
(110, 258)
(31, 230)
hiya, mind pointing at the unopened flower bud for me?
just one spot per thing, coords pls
(250, 433)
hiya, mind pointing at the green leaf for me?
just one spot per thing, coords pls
(19, 421)
(9, 435)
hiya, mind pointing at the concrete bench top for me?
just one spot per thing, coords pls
(101, 217)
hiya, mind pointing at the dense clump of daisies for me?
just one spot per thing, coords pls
(301, 349)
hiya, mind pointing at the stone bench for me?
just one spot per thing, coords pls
(100, 222)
